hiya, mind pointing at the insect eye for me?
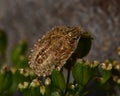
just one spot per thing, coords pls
(75, 38)
(68, 26)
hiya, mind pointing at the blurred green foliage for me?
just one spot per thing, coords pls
(3, 42)
(3, 45)
(89, 77)
(18, 57)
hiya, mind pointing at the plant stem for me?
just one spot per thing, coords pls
(68, 78)
(2, 59)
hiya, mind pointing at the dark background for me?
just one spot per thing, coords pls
(30, 19)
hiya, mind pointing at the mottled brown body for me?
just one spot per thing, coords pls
(54, 49)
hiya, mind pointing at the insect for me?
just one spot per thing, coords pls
(54, 49)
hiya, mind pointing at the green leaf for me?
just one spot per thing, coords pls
(106, 74)
(3, 42)
(58, 80)
(31, 91)
(77, 72)
(14, 86)
(17, 78)
(5, 81)
(81, 73)
(34, 91)
(23, 62)
(26, 92)
(55, 94)
(48, 89)
(17, 54)
(84, 45)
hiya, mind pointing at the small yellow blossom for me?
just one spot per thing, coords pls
(42, 89)
(23, 85)
(48, 81)
(35, 83)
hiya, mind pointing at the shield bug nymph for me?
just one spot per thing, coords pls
(54, 49)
